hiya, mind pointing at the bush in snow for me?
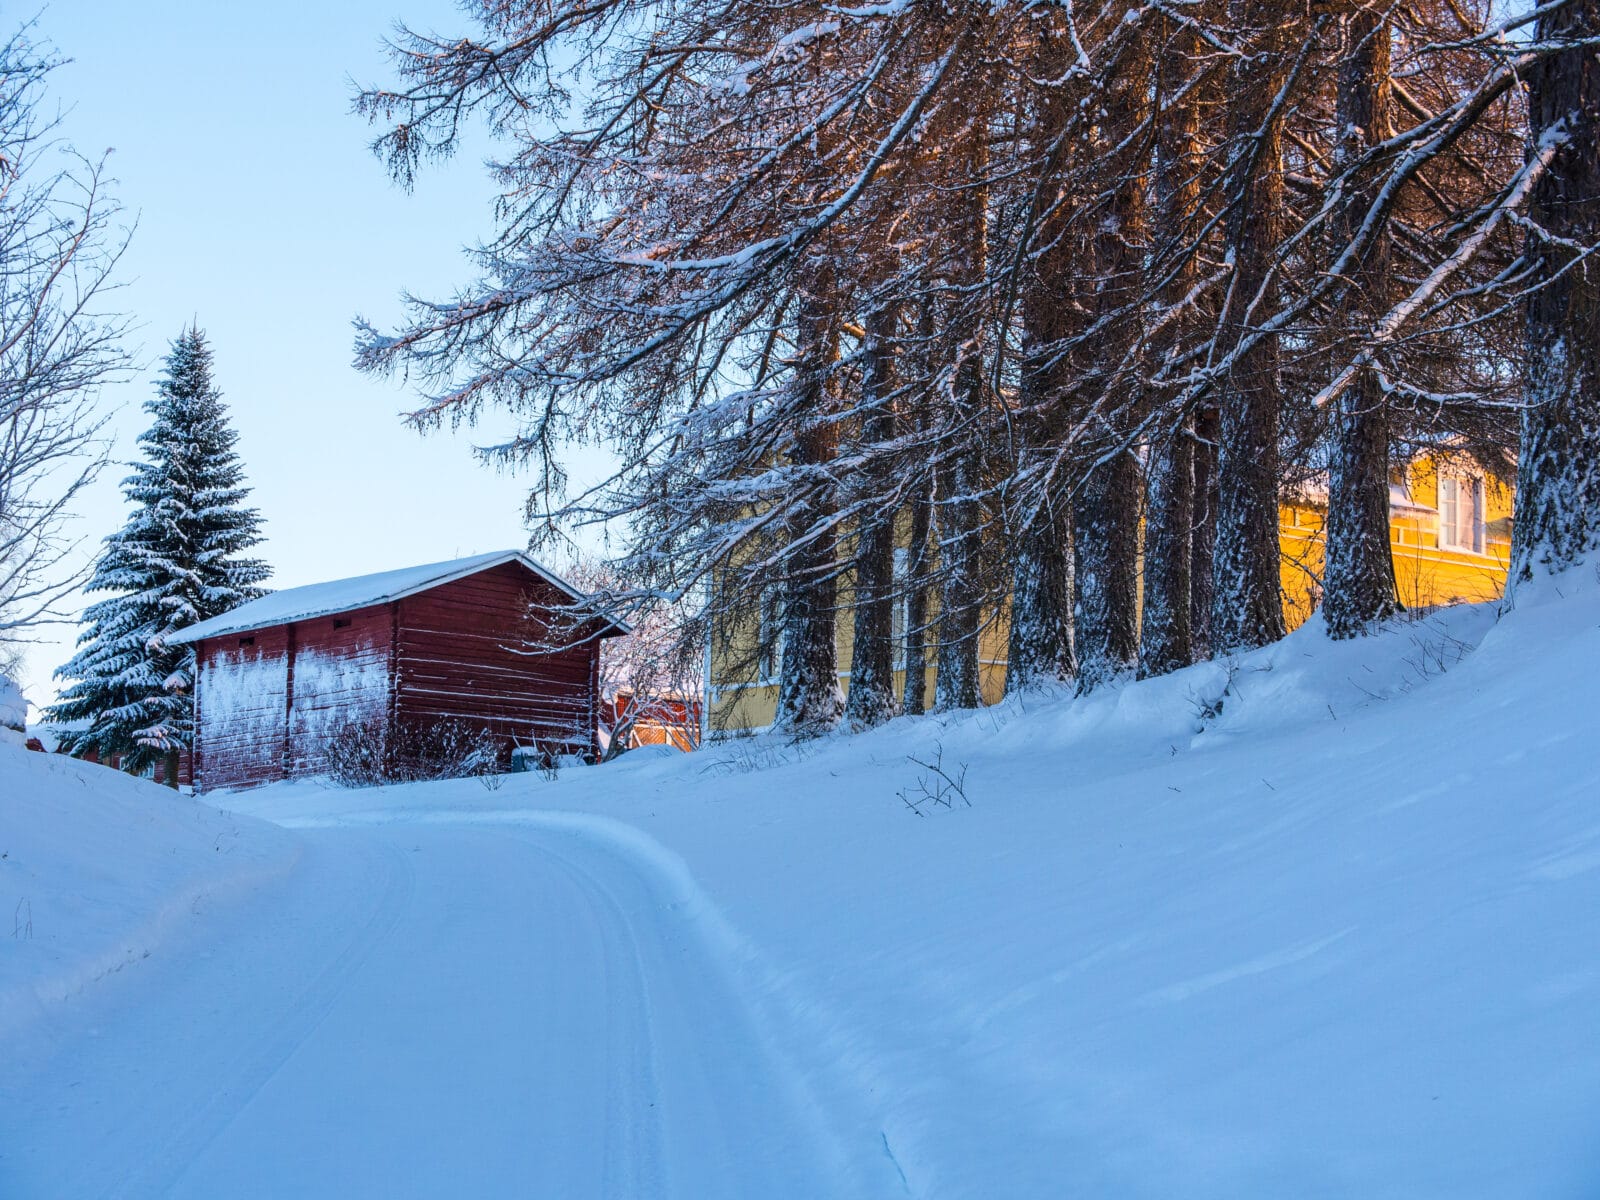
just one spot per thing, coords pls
(361, 754)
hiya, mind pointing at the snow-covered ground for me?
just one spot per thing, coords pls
(98, 871)
(1321, 922)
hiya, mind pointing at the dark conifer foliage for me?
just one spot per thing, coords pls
(182, 557)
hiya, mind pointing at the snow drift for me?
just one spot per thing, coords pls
(98, 869)
(13, 712)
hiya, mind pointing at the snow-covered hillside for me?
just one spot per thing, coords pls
(99, 870)
(1321, 922)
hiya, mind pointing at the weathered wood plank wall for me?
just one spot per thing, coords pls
(341, 676)
(242, 690)
(458, 658)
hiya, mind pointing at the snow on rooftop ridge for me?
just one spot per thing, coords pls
(361, 591)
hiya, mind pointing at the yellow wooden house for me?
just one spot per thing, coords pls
(1449, 526)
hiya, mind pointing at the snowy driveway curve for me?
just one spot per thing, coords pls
(528, 1005)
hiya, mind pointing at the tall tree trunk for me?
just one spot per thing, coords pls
(1358, 579)
(1558, 472)
(1040, 650)
(957, 515)
(1203, 539)
(1167, 639)
(1247, 600)
(871, 699)
(919, 583)
(1106, 517)
(809, 699)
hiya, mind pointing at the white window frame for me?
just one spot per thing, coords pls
(1451, 527)
(769, 635)
(900, 622)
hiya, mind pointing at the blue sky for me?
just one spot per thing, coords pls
(262, 215)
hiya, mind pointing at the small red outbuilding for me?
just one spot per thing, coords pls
(471, 640)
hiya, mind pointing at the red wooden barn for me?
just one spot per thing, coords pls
(278, 677)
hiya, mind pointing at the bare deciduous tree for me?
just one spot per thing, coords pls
(58, 347)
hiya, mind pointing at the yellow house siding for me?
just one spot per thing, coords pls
(1427, 573)
(752, 705)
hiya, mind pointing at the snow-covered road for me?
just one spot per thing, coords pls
(431, 1008)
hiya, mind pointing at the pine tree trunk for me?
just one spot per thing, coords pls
(871, 699)
(1203, 539)
(956, 681)
(957, 514)
(1166, 641)
(1558, 473)
(1040, 649)
(1358, 579)
(1105, 525)
(919, 581)
(809, 699)
(1247, 600)
(1106, 516)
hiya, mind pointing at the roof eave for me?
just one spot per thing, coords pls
(185, 636)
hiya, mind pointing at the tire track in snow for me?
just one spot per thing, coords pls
(265, 1057)
(731, 1117)
(525, 1008)
(633, 1157)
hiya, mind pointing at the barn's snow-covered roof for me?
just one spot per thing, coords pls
(342, 595)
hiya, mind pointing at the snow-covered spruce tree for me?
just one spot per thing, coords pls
(1558, 476)
(181, 558)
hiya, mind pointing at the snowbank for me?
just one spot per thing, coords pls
(97, 869)
(1320, 921)
(13, 712)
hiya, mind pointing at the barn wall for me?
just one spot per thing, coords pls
(340, 676)
(454, 662)
(242, 691)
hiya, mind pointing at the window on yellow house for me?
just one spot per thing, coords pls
(1461, 513)
(769, 635)
(902, 606)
